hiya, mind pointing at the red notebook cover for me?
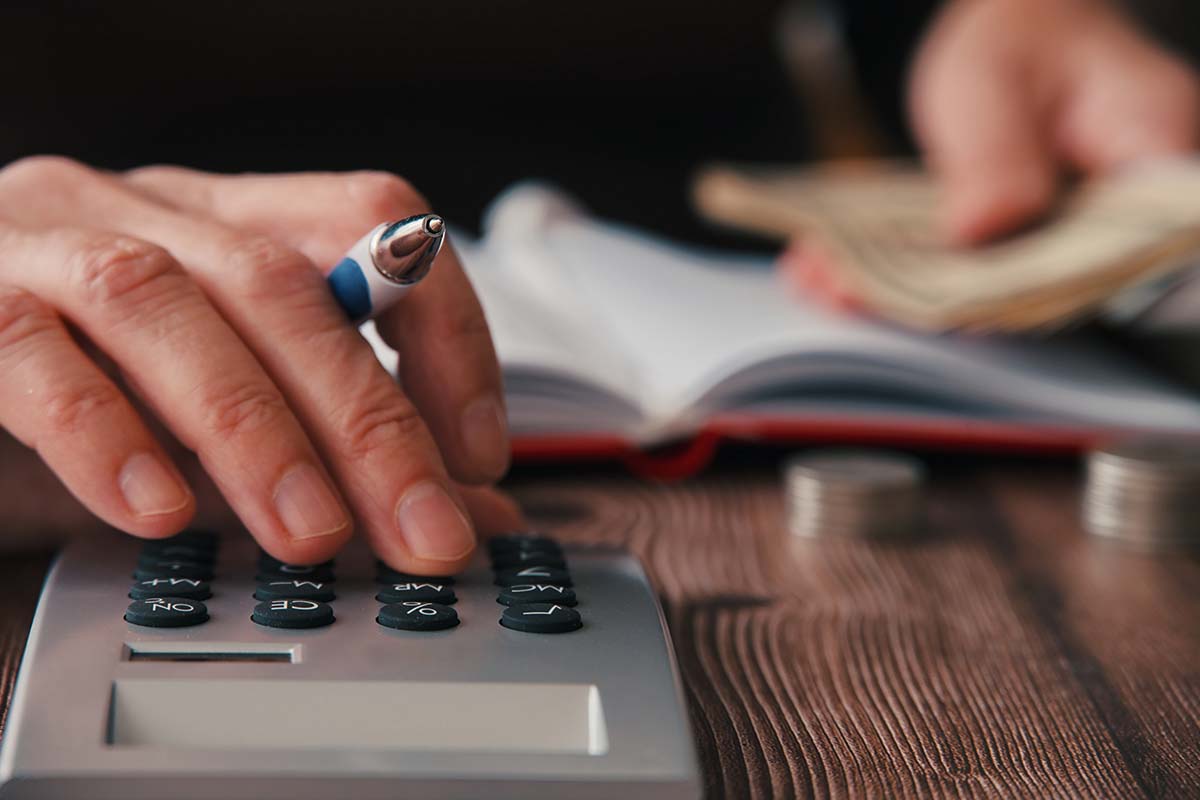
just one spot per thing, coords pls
(690, 456)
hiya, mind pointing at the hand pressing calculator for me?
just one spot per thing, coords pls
(200, 667)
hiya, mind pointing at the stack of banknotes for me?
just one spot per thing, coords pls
(1114, 247)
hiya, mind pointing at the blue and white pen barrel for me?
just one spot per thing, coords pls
(383, 265)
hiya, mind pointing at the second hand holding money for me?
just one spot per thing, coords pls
(1005, 97)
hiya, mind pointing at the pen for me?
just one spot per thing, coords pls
(383, 265)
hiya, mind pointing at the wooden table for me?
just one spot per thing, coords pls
(1004, 654)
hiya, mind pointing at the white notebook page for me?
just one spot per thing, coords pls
(687, 322)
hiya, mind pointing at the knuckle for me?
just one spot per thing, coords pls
(382, 195)
(246, 409)
(265, 269)
(70, 409)
(1185, 89)
(22, 318)
(42, 170)
(465, 328)
(470, 327)
(1173, 78)
(153, 171)
(365, 431)
(121, 270)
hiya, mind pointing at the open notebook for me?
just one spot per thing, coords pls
(613, 340)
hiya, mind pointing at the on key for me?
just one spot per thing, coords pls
(166, 612)
(512, 577)
(541, 618)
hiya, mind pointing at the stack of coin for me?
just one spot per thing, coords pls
(1144, 492)
(859, 493)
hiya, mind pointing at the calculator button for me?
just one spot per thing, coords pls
(268, 563)
(178, 569)
(165, 551)
(187, 588)
(506, 544)
(528, 558)
(536, 593)
(193, 540)
(166, 612)
(292, 613)
(512, 577)
(388, 575)
(195, 537)
(294, 589)
(427, 592)
(541, 618)
(414, 615)
(286, 572)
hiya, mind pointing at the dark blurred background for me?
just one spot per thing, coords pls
(618, 101)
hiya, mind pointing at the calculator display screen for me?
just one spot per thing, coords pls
(179, 713)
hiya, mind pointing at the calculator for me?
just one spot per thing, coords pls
(200, 667)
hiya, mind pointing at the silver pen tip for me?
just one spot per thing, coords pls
(404, 251)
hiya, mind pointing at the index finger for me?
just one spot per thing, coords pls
(982, 132)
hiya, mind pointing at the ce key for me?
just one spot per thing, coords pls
(292, 613)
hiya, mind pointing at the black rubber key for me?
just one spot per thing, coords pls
(267, 563)
(541, 618)
(386, 574)
(292, 614)
(288, 572)
(516, 559)
(414, 615)
(199, 570)
(165, 551)
(536, 593)
(187, 588)
(512, 577)
(507, 544)
(197, 539)
(166, 612)
(424, 592)
(294, 589)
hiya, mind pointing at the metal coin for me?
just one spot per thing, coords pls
(1144, 492)
(852, 493)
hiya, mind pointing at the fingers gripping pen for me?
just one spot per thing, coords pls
(385, 264)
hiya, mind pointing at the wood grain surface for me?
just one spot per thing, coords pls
(1000, 654)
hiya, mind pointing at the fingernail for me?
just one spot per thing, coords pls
(150, 489)
(432, 525)
(485, 434)
(307, 505)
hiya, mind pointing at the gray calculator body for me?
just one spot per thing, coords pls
(232, 709)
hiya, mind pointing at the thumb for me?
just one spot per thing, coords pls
(983, 134)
